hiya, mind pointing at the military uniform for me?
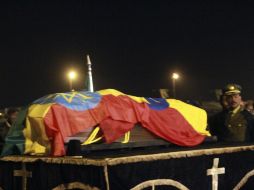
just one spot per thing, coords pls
(233, 124)
(236, 126)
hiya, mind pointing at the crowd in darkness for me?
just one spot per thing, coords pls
(7, 119)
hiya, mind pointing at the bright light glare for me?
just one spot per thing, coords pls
(175, 76)
(72, 75)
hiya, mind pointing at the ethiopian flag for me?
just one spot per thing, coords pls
(43, 126)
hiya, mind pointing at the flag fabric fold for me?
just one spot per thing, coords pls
(44, 125)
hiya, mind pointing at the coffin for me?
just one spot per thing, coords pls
(105, 119)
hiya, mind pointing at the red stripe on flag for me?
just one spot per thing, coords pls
(113, 129)
(170, 125)
(61, 122)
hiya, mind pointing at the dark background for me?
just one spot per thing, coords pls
(134, 47)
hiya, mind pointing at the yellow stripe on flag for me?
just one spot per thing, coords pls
(118, 93)
(126, 137)
(110, 91)
(36, 140)
(196, 117)
(91, 139)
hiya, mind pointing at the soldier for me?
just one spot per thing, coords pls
(233, 124)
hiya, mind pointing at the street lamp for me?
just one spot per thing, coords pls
(71, 75)
(175, 76)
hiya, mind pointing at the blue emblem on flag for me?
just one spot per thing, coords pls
(157, 103)
(80, 101)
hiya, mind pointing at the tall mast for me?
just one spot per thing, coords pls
(89, 73)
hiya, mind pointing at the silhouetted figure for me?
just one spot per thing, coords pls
(249, 106)
(10, 118)
(224, 102)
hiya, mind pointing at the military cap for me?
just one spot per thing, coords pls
(231, 89)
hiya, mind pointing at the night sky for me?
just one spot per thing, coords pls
(134, 46)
